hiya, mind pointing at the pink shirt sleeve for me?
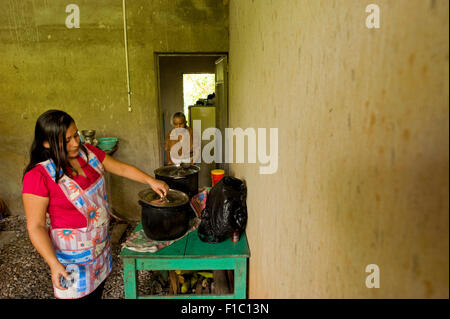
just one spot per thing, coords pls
(34, 182)
(98, 152)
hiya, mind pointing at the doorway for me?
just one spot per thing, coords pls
(175, 72)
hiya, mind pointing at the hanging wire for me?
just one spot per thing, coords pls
(126, 52)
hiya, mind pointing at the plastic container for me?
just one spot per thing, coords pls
(216, 175)
(106, 143)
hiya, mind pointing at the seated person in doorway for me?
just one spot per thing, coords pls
(179, 122)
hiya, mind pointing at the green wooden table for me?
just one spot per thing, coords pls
(189, 253)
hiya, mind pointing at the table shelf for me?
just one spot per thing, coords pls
(189, 253)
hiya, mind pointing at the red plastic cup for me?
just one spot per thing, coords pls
(216, 175)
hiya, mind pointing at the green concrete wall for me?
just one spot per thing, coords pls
(363, 120)
(44, 65)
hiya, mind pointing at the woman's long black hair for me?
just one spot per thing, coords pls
(51, 126)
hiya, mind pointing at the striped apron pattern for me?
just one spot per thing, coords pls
(85, 252)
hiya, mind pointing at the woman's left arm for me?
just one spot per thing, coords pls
(131, 172)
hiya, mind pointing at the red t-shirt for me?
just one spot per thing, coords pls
(63, 214)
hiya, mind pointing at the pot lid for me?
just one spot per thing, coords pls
(173, 198)
(174, 171)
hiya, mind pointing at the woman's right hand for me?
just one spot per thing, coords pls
(57, 271)
(159, 186)
(35, 211)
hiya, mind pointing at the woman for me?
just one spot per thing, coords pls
(65, 179)
(179, 122)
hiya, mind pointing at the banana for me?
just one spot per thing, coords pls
(183, 272)
(206, 274)
(194, 279)
(185, 287)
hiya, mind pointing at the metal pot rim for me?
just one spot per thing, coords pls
(162, 171)
(175, 198)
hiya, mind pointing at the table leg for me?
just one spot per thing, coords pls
(129, 276)
(240, 278)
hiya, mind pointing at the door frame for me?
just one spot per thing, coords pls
(159, 115)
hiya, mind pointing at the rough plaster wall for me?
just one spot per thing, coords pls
(363, 146)
(82, 71)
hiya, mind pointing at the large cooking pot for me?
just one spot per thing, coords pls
(165, 219)
(183, 177)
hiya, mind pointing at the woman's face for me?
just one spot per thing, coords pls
(72, 141)
(179, 122)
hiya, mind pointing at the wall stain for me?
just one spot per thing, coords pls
(349, 121)
(406, 135)
(428, 288)
(432, 4)
(392, 156)
(411, 59)
(415, 265)
(373, 120)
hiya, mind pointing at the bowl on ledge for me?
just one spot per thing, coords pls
(106, 143)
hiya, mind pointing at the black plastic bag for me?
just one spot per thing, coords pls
(225, 211)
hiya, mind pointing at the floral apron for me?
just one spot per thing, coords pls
(85, 252)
